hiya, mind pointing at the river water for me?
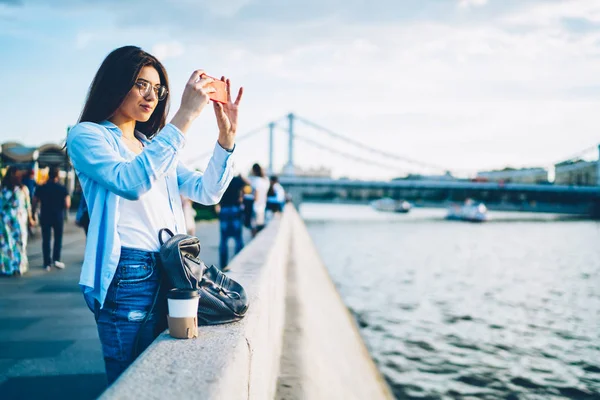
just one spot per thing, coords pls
(507, 309)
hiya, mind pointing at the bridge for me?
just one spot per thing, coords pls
(428, 191)
(500, 197)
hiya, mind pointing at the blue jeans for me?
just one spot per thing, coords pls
(129, 299)
(231, 219)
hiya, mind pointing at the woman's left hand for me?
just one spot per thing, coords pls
(227, 117)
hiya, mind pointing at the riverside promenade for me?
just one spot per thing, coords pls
(49, 346)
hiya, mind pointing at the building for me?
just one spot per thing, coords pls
(437, 178)
(512, 175)
(311, 172)
(578, 172)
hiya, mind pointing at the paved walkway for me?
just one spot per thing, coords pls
(49, 347)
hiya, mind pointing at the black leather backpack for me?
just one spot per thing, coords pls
(222, 299)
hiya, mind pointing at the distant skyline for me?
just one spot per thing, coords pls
(465, 84)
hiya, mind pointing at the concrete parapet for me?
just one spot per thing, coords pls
(324, 356)
(243, 360)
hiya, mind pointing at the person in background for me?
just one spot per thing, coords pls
(230, 210)
(260, 187)
(25, 214)
(55, 201)
(13, 255)
(82, 219)
(30, 183)
(275, 197)
(190, 216)
(248, 206)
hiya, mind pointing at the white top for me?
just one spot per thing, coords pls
(140, 220)
(279, 192)
(261, 188)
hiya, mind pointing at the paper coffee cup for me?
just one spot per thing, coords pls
(183, 303)
(183, 313)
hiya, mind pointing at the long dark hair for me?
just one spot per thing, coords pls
(113, 81)
(257, 170)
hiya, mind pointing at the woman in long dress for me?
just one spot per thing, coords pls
(24, 214)
(260, 187)
(13, 255)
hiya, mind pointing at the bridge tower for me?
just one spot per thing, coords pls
(271, 132)
(598, 168)
(288, 169)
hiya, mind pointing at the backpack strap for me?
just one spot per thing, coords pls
(160, 234)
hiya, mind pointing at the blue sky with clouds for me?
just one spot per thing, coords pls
(466, 84)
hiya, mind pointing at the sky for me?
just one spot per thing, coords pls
(459, 85)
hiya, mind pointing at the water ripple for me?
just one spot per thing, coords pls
(509, 310)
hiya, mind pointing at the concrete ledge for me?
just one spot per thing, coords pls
(324, 354)
(243, 360)
(231, 361)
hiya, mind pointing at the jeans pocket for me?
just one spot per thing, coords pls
(133, 273)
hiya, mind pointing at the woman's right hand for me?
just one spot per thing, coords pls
(194, 99)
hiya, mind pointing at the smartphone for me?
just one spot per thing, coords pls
(220, 95)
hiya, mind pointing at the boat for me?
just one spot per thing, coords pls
(388, 204)
(469, 211)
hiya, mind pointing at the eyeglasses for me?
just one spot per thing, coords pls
(145, 87)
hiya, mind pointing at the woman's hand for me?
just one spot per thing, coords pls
(227, 117)
(193, 100)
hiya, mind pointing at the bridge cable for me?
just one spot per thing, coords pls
(372, 149)
(578, 155)
(238, 139)
(347, 155)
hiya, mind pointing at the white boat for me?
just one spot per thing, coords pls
(469, 211)
(390, 205)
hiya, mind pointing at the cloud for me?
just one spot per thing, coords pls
(166, 50)
(551, 14)
(471, 3)
(83, 39)
(580, 25)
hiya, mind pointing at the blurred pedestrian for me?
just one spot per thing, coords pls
(25, 214)
(190, 215)
(260, 187)
(29, 181)
(248, 205)
(55, 202)
(231, 219)
(13, 255)
(275, 197)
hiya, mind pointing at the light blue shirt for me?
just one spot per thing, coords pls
(107, 173)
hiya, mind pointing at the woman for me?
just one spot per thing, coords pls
(260, 186)
(190, 216)
(24, 214)
(127, 161)
(13, 210)
(275, 198)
